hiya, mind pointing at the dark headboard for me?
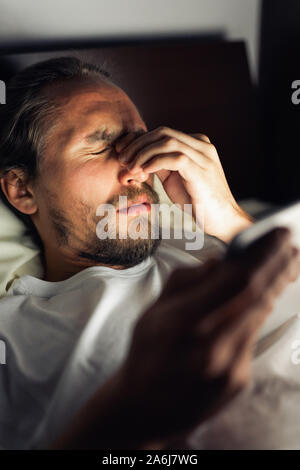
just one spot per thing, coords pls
(194, 86)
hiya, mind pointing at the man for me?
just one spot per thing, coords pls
(72, 141)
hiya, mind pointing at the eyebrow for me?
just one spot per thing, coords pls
(100, 136)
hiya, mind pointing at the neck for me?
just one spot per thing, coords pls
(61, 265)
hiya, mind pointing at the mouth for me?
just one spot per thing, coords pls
(140, 205)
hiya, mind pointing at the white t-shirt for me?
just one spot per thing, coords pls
(64, 339)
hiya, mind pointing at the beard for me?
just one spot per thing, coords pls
(112, 250)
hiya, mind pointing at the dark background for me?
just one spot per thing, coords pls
(279, 67)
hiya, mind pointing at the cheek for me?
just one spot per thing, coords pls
(91, 184)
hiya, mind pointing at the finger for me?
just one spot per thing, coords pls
(232, 286)
(219, 389)
(233, 343)
(137, 145)
(125, 140)
(231, 348)
(295, 268)
(290, 272)
(172, 135)
(173, 161)
(249, 310)
(224, 343)
(230, 357)
(228, 290)
(202, 137)
(162, 147)
(239, 369)
(226, 351)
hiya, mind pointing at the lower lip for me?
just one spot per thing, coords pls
(135, 209)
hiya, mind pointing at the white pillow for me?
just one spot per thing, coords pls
(17, 251)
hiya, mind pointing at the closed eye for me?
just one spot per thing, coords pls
(101, 151)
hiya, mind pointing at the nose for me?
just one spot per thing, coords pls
(126, 178)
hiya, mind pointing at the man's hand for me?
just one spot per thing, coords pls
(191, 352)
(191, 173)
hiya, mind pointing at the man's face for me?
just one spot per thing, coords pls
(80, 171)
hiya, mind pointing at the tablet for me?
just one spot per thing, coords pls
(287, 216)
(287, 305)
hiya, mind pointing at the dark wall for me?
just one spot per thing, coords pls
(279, 67)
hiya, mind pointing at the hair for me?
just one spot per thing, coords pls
(27, 112)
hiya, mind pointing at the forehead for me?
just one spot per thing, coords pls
(93, 107)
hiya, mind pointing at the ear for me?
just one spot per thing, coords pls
(19, 191)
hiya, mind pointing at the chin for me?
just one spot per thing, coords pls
(122, 253)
